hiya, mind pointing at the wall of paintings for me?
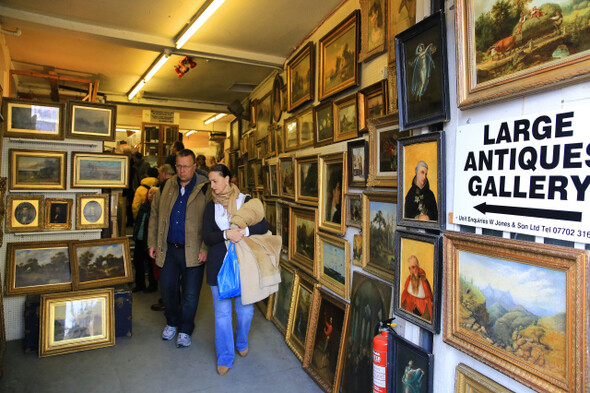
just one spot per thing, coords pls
(382, 168)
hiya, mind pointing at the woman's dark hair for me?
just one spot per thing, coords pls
(221, 169)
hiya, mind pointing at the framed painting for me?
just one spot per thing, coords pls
(24, 213)
(383, 155)
(271, 141)
(265, 306)
(263, 116)
(280, 145)
(101, 262)
(401, 15)
(277, 98)
(58, 213)
(354, 210)
(370, 302)
(273, 180)
(392, 88)
(283, 226)
(290, 140)
(234, 134)
(379, 225)
(297, 327)
(346, 121)
(423, 205)
(37, 267)
(305, 134)
(243, 145)
(99, 170)
(92, 211)
(423, 80)
(306, 180)
(413, 367)
(242, 177)
(374, 100)
(2, 211)
(338, 51)
(286, 176)
(357, 250)
(325, 350)
(270, 209)
(373, 28)
(333, 180)
(282, 304)
(468, 380)
(37, 170)
(333, 267)
(34, 120)
(540, 49)
(89, 120)
(300, 77)
(358, 163)
(518, 307)
(323, 123)
(302, 231)
(250, 176)
(257, 174)
(76, 321)
(417, 293)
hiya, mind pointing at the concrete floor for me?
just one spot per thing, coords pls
(145, 363)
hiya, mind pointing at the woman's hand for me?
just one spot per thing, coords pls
(235, 234)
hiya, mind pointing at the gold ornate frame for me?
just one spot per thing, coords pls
(341, 289)
(304, 283)
(339, 135)
(371, 266)
(68, 223)
(98, 159)
(376, 177)
(12, 130)
(285, 267)
(304, 199)
(58, 184)
(82, 200)
(367, 53)
(323, 223)
(468, 380)
(302, 261)
(12, 222)
(306, 54)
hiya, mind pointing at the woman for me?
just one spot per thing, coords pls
(227, 200)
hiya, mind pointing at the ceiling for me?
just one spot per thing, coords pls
(115, 42)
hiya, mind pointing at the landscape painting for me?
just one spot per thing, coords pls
(91, 121)
(101, 262)
(282, 303)
(104, 170)
(302, 239)
(37, 169)
(379, 223)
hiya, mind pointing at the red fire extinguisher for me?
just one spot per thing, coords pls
(380, 343)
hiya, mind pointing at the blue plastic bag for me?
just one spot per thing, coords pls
(228, 278)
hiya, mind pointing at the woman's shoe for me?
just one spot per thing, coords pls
(243, 353)
(222, 370)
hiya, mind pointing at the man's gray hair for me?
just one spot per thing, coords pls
(421, 163)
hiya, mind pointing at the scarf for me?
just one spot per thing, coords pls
(227, 199)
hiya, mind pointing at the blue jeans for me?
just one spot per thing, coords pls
(181, 307)
(224, 334)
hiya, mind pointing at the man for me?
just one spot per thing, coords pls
(417, 294)
(58, 213)
(171, 159)
(165, 172)
(201, 165)
(175, 242)
(420, 202)
(140, 167)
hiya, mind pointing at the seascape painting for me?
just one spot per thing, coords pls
(42, 266)
(94, 169)
(334, 259)
(517, 308)
(36, 169)
(382, 224)
(101, 262)
(92, 120)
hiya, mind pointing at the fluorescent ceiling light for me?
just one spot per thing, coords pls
(136, 89)
(214, 118)
(190, 132)
(161, 61)
(201, 19)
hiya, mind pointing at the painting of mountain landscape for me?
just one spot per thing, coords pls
(515, 307)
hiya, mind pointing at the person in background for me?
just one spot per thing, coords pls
(227, 200)
(165, 172)
(141, 193)
(175, 242)
(141, 258)
(140, 167)
(201, 163)
(171, 159)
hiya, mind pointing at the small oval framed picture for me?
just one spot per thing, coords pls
(24, 213)
(92, 211)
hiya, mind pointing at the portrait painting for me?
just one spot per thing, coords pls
(413, 367)
(379, 225)
(333, 180)
(291, 141)
(423, 86)
(354, 210)
(282, 303)
(263, 116)
(270, 208)
(99, 170)
(417, 280)
(519, 307)
(324, 354)
(324, 123)
(370, 302)
(76, 321)
(37, 170)
(383, 155)
(346, 118)
(307, 180)
(358, 163)
(305, 128)
(101, 262)
(29, 119)
(58, 213)
(92, 211)
(338, 51)
(302, 231)
(37, 267)
(527, 48)
(89, 120)
(421, 184)
(286, 177)
(300, 77)
(273, 180)
(357, 250)
(333, 254)
(301, 303)
(401, 15)
(24, 213)
(277, 98)
(373, 28)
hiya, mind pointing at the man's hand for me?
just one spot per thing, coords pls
(202, 256)
(152, 252)
(235, 234)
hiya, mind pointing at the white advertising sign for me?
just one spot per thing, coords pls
(529, 174)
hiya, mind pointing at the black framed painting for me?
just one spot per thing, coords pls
(422, 76)
(413, 367)
(89, 120)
